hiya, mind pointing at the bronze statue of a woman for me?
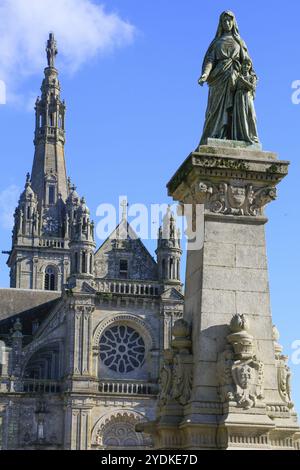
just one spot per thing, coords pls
(222, 70)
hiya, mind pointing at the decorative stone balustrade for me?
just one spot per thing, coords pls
(127, 388)
(50, 131)
(52, 243)
(40, 386)
(128, 287)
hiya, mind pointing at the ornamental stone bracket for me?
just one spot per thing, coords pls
(228, 180)
(283, 371)
(176, 381)
(176, 376)
(240, 374)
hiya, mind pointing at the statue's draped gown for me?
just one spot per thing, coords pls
(225, 55)
(244, 117)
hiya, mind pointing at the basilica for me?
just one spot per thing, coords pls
(82, 329)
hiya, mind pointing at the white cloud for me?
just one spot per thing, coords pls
(83, 29)
(8, 202)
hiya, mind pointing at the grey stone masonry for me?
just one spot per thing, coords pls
(82, 333)
(239, 394)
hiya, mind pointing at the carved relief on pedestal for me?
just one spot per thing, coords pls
(176, 372)
(236, 198)
(240, 373)
(283, 371)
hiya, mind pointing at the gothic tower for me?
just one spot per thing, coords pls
(169, 252)
(40, 257)
(82, 242)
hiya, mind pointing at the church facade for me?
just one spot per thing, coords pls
(82, 330)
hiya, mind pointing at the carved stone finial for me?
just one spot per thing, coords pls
(181, 332)
(276, 336)
(240, 339)
(16, 331)
(239, 323)
(283, 370)
(17, 325)
(51, 50)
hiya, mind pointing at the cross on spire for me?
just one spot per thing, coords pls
(124, 205)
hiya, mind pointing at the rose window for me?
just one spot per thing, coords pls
(122, 349)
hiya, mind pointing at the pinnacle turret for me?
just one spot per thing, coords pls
(168, 250)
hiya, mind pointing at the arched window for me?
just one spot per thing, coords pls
(76, 263)
(163, 268)
(50, 278)
(83, 262)
(178, 269)
(51, 194)
(91, 264)
(171, 275)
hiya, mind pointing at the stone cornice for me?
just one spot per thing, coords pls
(218, 164)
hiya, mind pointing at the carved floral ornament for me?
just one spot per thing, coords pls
(234, 198)
(240, 373)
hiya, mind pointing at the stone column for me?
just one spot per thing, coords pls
(77, 425)
(235, 400)
(79, 343)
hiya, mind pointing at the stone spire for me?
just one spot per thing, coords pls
(49, 171)
(40, 246)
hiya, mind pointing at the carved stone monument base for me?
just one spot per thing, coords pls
(240, 392)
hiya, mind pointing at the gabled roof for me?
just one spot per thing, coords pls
(172, 294)
(124, 231)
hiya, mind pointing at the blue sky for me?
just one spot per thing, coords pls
(135, 111)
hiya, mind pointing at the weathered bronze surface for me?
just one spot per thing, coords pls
(228, 71)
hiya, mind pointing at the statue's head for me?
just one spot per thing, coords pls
(227, 24)
(247, 65)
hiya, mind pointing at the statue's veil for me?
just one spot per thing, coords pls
(235, 29)
(235, 33)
